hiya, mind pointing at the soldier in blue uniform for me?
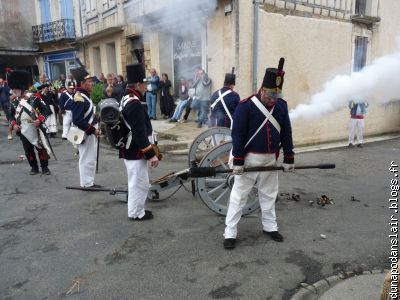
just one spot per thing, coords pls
(65, 103)
(261, 126)
(83, 117)
(224, 102)
(136, 150)
(27, 113)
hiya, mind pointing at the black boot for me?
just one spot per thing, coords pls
(34, 171)
(45, 171)
(229, 243)
(147, 216)
(275, 235)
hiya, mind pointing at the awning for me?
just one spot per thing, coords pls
(19, 51)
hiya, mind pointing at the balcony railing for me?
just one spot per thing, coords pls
(54, 31)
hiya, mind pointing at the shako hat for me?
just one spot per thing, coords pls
(135, 73)
(41, 87)
(70, 85)
(80, 74)
(273, 80)
(19, 80)
(230, 78)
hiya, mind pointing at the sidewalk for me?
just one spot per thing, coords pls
(366, 286)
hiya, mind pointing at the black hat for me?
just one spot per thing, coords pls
(19, 80)
(230, 79)
(135, 73)
(80, 74)
(273, 80)
(41, 87)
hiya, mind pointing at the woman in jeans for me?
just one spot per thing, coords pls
(183, 99)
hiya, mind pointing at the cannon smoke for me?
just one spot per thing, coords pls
(377, 83)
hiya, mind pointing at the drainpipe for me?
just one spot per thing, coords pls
(80, 18)
(255, 44)
(81, 25)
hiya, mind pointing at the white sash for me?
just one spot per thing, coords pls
(70, 98)
(75, 135)
(268, 117)
(221, 98)
(23, 103)
(152, 138)
(90, 109)
(125, 101)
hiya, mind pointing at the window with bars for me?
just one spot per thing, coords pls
(90, 5)
(108, 4)
(360, 53)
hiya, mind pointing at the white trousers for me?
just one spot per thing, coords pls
(51, 121)
(359, 124)
(138, 186)
(267, 185)
(87, 160)
(67, 120)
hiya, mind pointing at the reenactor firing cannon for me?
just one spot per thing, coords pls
(208, 172)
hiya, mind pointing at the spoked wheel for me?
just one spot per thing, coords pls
(205, 141)
(215, 191)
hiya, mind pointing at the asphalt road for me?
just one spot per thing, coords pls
(56, 243)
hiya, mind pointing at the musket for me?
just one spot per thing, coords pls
(98, 152)
(112, 191)
(198, 172)
(44, 131)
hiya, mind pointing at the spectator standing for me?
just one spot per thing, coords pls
(102, 78)
(5, 98)
(121, 83)
(153, 82)
(116, 90)
(202, 98)
(166, 100)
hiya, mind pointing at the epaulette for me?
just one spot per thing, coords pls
(284, 101)
(246, 99)
(78, 97)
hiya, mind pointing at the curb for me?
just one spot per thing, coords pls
(313, 291)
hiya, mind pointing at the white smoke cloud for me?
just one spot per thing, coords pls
(173, 16)
(376, 83)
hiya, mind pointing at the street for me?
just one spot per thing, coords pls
(57, 243)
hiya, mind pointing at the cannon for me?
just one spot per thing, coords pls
(208, 172)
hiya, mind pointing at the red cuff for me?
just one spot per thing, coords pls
(90, 130)
(41, 118)
(238, 161)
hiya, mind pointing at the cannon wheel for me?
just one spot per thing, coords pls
(206, 141)
(215, 191)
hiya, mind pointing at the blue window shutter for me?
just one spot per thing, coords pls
(67, 9)
(45, 11)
